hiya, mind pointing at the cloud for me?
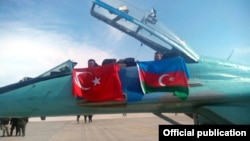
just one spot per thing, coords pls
(26, 51)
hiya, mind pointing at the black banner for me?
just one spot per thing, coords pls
(199, 132)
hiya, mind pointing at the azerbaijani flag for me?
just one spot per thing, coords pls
(167, 75)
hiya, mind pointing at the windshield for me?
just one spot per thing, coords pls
(64, 68)
(145, 27)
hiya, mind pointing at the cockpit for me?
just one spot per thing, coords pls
(62, 69)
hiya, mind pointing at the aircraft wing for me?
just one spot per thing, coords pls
(224, 114)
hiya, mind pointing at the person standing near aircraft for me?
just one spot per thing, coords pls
(91, 63)
(4, 122)
(22, 124)
(14, 125)
(158, 56)
(78, 118)
(90, 118)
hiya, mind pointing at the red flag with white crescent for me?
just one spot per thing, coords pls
(98, 84)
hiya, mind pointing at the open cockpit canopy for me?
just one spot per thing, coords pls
(144, 27)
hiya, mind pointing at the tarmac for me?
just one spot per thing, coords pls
(105, 127)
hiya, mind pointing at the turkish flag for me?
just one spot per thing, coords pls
(98, 84)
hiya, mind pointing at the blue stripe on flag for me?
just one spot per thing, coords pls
(164, 66)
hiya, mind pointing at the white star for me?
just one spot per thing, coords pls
(171, 79)
(96, 81)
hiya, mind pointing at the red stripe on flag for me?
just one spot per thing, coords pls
(160, 80)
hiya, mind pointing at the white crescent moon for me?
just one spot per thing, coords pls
(160, 80)
(78, 82)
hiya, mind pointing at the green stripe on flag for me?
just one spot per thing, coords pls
(180, 92)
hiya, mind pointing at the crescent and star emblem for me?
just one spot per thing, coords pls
(161, 78)
(96, 81)
(77, 81)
